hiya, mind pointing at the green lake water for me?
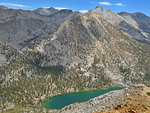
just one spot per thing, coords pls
(60, 101)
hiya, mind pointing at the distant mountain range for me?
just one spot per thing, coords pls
(46, 52)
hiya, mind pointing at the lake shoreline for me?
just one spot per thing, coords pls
(88, 95)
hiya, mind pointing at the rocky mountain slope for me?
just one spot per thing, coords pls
(19, 27)
(126, 24)
(61, 16)
(141, 20)
(65, 52)
(3, 7)
(87, 44)
(7, 54)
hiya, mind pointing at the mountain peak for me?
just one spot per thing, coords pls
(135, 14)
(122, 13)
(100, 8)
(139, 14)
(110, 16)
(46, 11)
(66, 11)
(3, 7)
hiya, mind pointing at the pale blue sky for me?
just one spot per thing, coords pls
(82, 5)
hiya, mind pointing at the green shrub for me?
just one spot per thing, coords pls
(148, 93)
(124, 70)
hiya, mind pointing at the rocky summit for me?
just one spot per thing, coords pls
(46, 11)
(134, 26)
(47, 52)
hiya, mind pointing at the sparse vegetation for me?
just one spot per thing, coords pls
(148, 93)
(124, 70)
(86, 52)
(148, 85)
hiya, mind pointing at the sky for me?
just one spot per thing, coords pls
(83, 6)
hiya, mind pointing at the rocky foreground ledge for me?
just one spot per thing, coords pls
(131, 99)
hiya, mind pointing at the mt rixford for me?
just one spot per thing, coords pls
(47, 52)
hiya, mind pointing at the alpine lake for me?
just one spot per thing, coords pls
(60, 101)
